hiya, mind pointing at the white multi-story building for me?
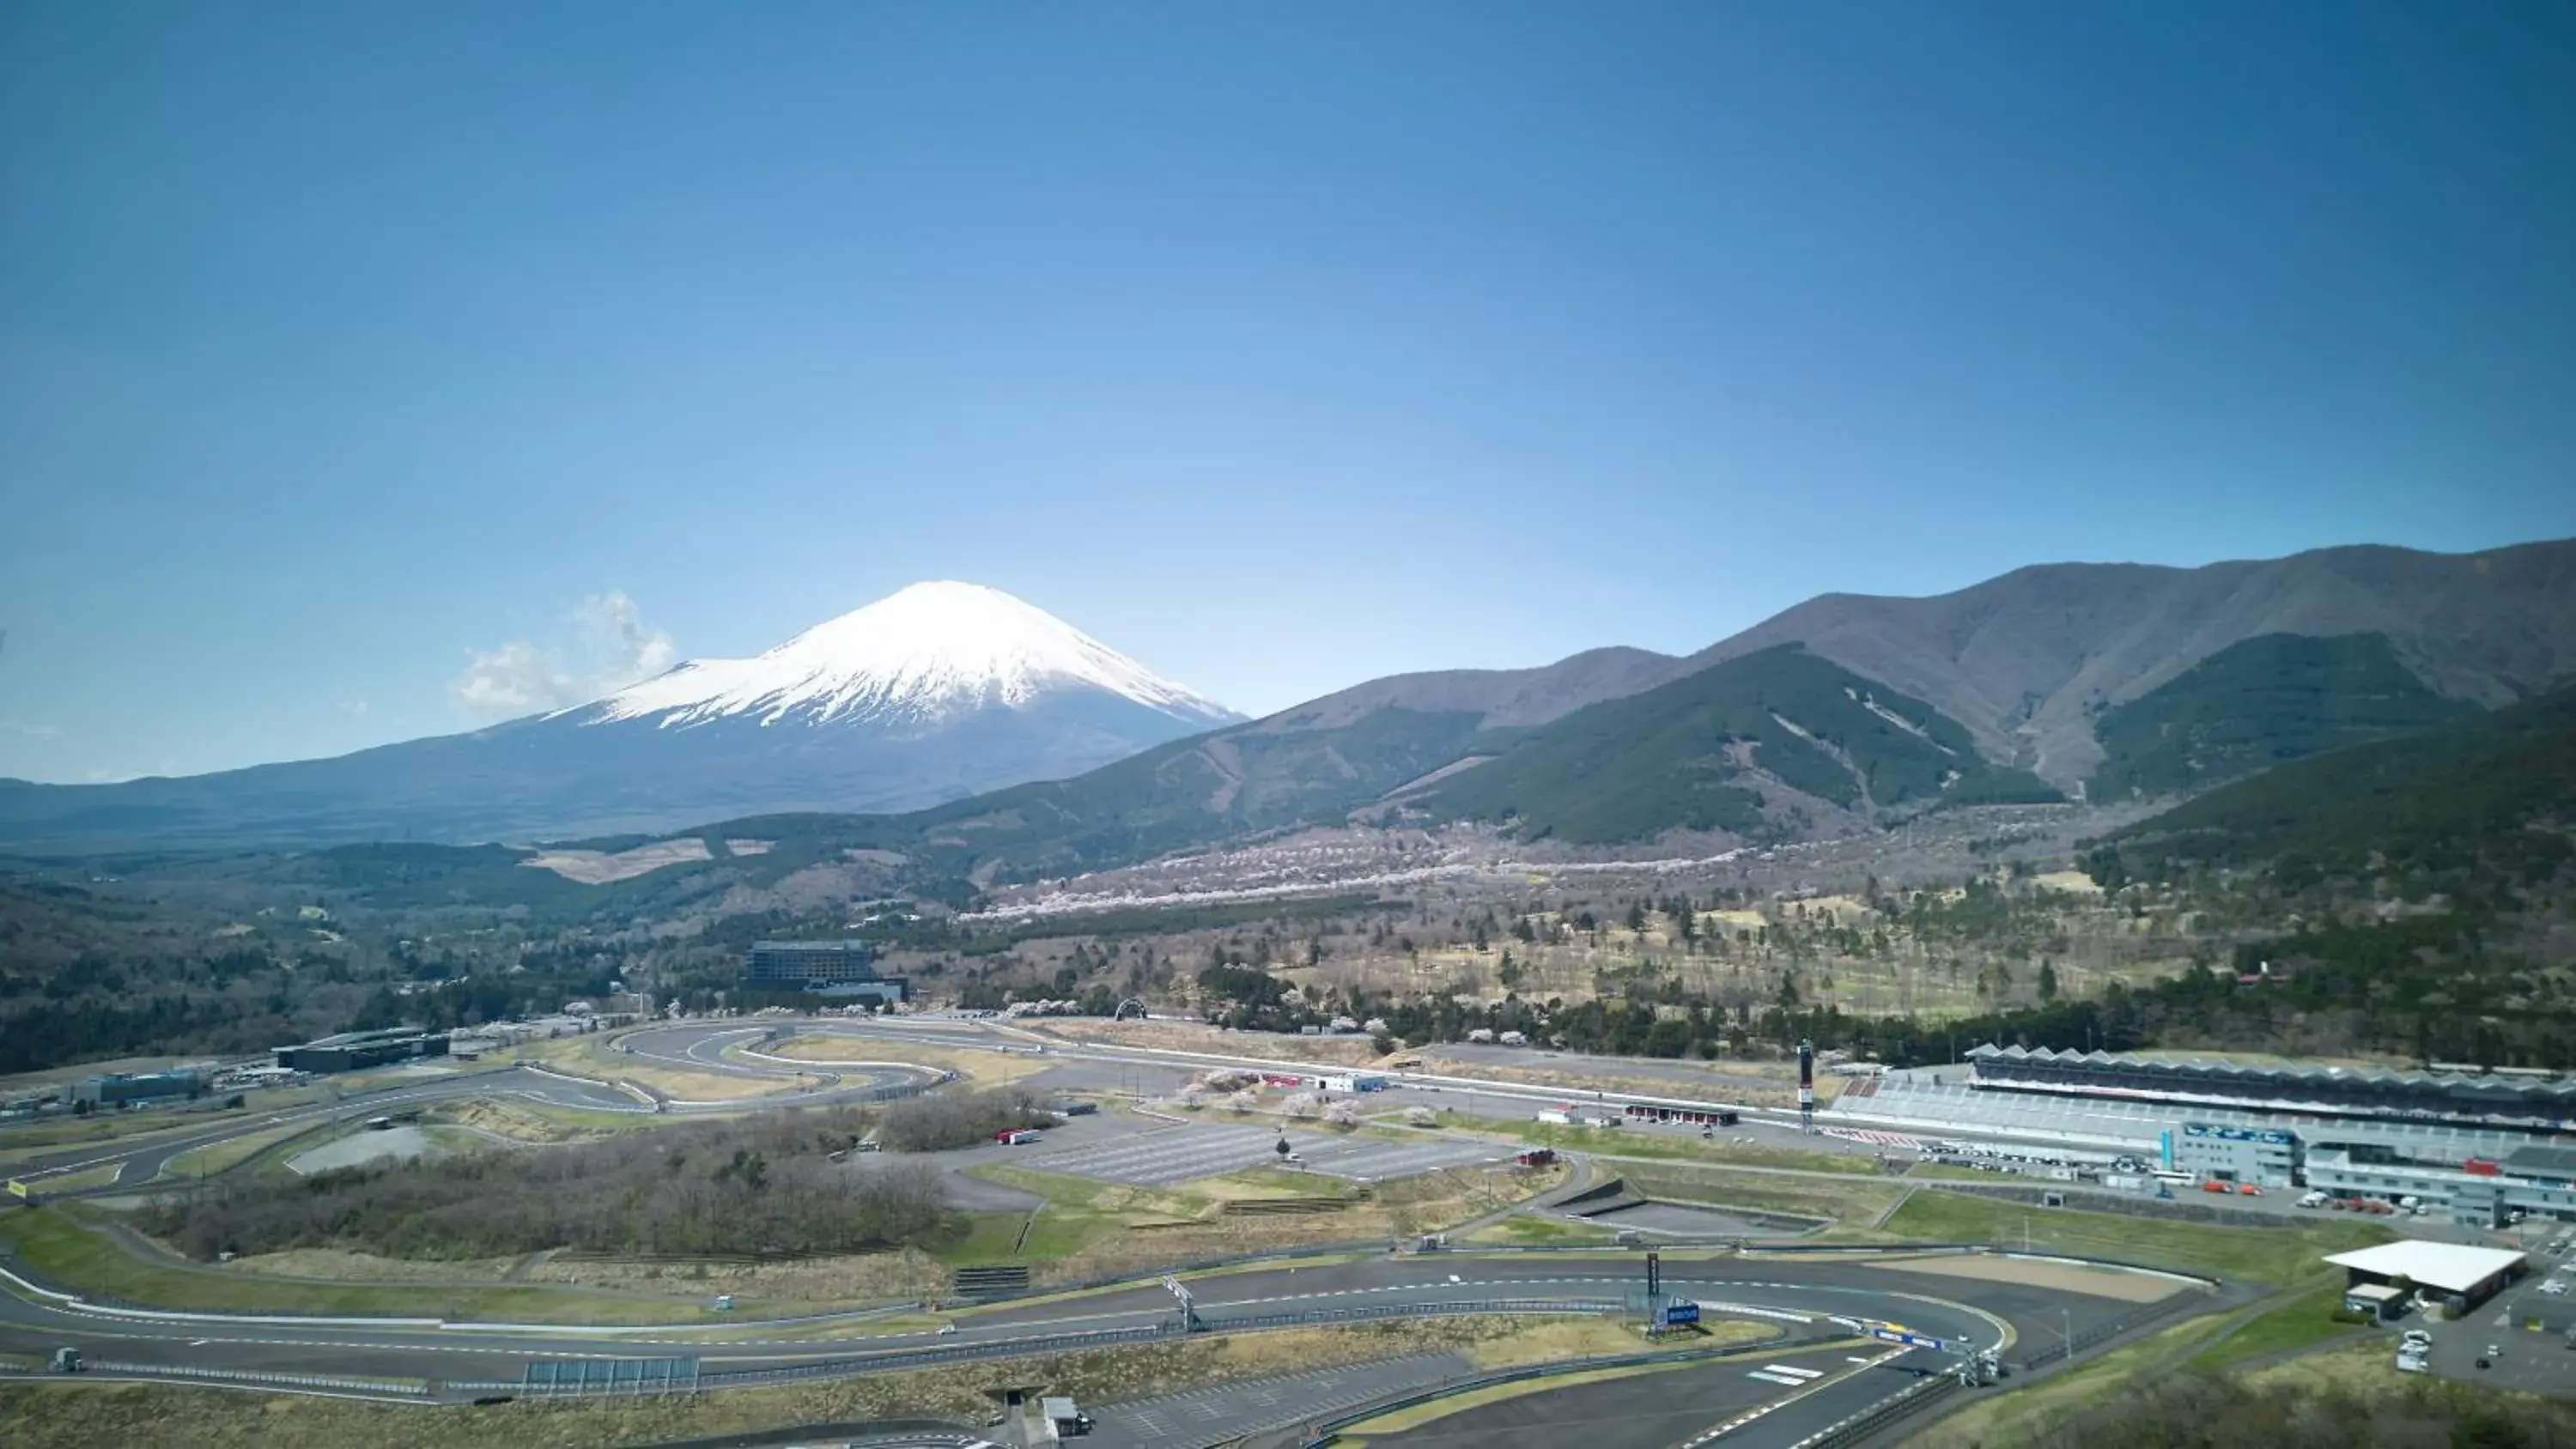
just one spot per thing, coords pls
(2267, 1156)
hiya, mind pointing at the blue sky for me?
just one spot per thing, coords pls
(1279, 346)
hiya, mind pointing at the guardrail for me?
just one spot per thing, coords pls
(1476, 1307)
(255, 1378)
(2164, 1307)
(1913, 1398)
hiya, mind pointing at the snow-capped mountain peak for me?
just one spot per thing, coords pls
(925, 653)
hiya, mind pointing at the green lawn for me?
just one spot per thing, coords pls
(216, 1157)
(52, 1244)
(1544, 1232)
(1640, 1142)
(2271, 1255)
(990, 1238)
(2299, 1320)
(1852, 1202)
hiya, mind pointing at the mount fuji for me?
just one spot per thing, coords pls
(935, 692)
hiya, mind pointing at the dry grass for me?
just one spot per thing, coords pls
(80, 1181)
(826, 1050)
(2062, 1277)
(1127, 1229)
(2010, 1417)
(73, 1415)
(1556, 1339)
(332, 1265)
(856, 1278)
(1341, 1051)
(510, 1120)
(591, 1056)
(2360, 1367)
(217, 1157)
(687, 1086)
(1852, 1202)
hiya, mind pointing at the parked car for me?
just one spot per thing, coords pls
(2249, 1189)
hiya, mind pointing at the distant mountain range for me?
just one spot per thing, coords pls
(1846, 712)
(935, 692)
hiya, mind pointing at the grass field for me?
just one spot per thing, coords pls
(75, 1257)
(2010, 1417)
(1090, 1229)
(1640, 1143)
(826, 1051)
(1544, 1232)
(2301, 1319)
(594, 1056)
(2269, 1255)
(1853, 1202)
(217, 1157)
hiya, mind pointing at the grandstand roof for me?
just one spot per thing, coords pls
(2485, 1087)
(2450, 1267)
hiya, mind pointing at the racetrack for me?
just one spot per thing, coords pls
(1816, 1298)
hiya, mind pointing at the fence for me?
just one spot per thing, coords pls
(2164, 1307)
(610, 1376)
(1920, 1394)
(254, 1378)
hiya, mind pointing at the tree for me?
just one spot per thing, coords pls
(2047, 981)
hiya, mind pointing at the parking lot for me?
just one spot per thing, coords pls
(1183, 1153)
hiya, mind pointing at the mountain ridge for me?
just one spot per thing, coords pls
(938, 692)
(2024, 664)
(2024, 659)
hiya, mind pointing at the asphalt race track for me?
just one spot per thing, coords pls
(1808, 1298)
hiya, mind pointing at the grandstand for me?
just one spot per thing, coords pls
(2105, 1125)
(2485, 1100)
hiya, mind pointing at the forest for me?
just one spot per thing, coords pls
(768, 1185)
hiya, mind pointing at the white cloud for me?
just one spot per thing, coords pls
(613, 620)
(354, 708)
(32, 731)
(614, 648)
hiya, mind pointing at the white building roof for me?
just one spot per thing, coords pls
(2449, 1267)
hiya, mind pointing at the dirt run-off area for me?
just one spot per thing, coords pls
(2120, 1283)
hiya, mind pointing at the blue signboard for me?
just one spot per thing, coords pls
(1910, 1340)
(2241, 1134)
(1681, 1313)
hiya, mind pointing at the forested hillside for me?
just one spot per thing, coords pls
(2481, 805)
(2261, 703)
(1709, 751)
